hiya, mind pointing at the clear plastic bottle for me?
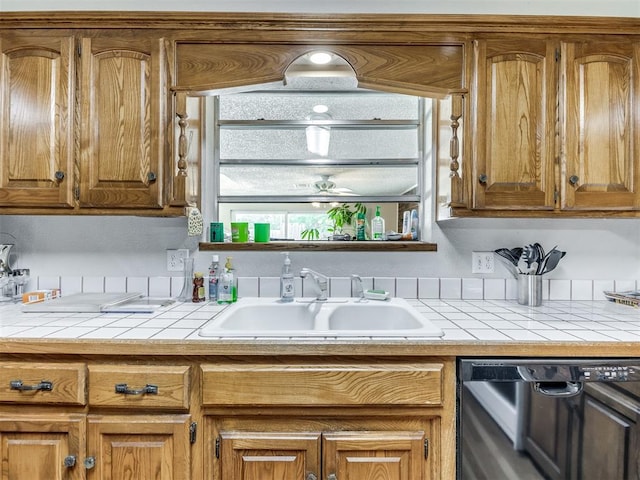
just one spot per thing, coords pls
(287, 291)
(377, 226)
(213, 278)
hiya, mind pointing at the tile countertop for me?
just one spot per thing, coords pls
(471, 327)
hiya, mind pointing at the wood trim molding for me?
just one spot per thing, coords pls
(336, 22)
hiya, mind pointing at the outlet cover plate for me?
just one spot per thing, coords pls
(482, 262)
(175, 259)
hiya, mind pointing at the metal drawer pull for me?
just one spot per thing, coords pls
(43, 385)
(147, 389)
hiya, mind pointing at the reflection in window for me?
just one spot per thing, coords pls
(279, 152)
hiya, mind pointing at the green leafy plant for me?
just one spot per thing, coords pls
(310, 234)
(343, 215)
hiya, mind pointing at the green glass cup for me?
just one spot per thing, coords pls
(261, 232)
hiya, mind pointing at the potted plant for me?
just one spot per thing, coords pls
(342, 216)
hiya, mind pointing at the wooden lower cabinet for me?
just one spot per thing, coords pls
(42, 446)
(309, 449)
(227, 418)
(141, 447)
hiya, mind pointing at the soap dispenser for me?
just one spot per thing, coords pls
(227, 286)
(377, 226)
(286, 280)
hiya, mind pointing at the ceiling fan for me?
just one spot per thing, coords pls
(325, 186)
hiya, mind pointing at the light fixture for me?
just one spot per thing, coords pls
(320, 58)
(320, 108)
(318, 137)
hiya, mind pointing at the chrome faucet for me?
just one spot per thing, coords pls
(357, 290)
(321, 282)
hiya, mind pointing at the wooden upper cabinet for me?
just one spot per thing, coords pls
(36, 135)
(122, 124)
(514, 121)
(601, 147)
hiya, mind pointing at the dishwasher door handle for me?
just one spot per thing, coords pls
(558, 389)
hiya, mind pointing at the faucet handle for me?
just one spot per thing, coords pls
(359, 289)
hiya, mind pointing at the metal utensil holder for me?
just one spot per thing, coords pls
(530, 290)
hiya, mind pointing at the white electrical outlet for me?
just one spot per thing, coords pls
(482, 262)
(175, 259)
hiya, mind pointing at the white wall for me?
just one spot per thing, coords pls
(127, 246)
(123, 246)
(622, 8)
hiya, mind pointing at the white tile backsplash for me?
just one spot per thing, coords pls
(160, 286)
(138, 284)
(581, 290)
(404, 287)
(494, 289)
(270, 287)
(71, 285)
(340, 287)
(557, 290)
(428, 288)
(115, 284)
(388, 284)
(249, 286)
(451, 288)
(472, 288)
(600, 286)
(407, 287)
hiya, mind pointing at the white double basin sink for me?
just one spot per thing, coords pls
(335, 317)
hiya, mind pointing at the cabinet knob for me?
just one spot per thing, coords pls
(332, 476)
(89, 462)
(59, 175)
(482, 178)
(151, 177)
(70, 461)
(312, 476)
(573, 180)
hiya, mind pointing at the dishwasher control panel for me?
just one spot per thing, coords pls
(610, 373)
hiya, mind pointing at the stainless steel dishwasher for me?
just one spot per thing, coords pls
(561, 418)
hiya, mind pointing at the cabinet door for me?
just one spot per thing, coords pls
(608, 445)
(144, 447)
(374, 455)
(548, 427)
(269, 456)
(36, 134)
(122, 123)
(41, 446)
(514, 123)
(601, 126)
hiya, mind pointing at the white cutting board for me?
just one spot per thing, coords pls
(81, 302)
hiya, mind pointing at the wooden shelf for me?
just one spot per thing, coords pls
(323, 246)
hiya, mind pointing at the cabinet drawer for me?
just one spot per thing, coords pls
(139, 386)
(322, 385)
(43, 383)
